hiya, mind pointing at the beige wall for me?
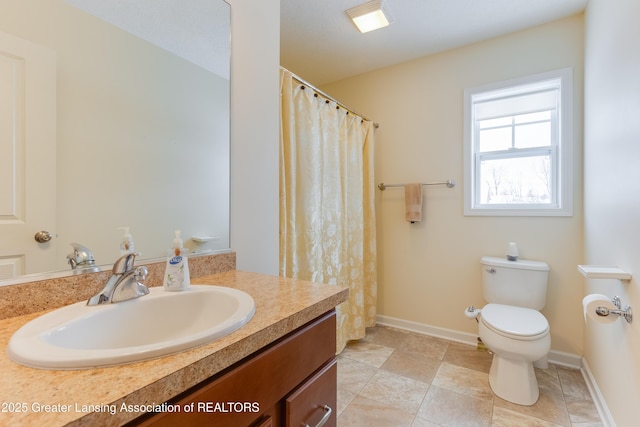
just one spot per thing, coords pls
(429, 272)
(612, 194)
(255, 120)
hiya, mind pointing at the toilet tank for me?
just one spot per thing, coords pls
(522, 283)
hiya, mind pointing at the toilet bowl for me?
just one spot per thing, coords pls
(518, 337)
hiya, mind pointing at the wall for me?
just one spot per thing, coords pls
(612, 194)
(255, 118)
(429, 272)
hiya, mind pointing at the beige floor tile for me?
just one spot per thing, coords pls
(549, 407)
(429, 346)
(395, 390)
(506, 418)
(419, 422)
(353, 375)
(388, 337)
(366, 412)
(413, 365)
(598, 424)
(464, 381)
(582, 410)
(573, 383)
(371, 354)
(448, 408)
(344, 399)
(468, 357)
(548, 379)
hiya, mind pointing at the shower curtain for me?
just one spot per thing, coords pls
(327, 211)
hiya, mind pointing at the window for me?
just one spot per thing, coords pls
(518, 147)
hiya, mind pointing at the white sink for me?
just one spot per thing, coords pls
(160, 323)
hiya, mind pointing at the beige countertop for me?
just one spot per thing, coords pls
(54, 398)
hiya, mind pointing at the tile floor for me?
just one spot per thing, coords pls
(397, 378)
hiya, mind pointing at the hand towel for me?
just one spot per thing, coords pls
(413, 202)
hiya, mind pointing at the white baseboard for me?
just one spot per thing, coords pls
(596, 395)
(421, 328)
(556, 357)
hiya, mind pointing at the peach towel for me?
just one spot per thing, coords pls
(413, 202)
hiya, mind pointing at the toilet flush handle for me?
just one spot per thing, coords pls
(491, 270)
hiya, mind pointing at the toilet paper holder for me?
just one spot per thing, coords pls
(627, 313)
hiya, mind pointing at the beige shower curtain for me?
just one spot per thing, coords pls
(327, 212)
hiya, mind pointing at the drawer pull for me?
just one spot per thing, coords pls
(325, 417)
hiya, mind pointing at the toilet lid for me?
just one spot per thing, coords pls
(518, 321)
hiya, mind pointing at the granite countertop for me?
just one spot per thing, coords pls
(106, 396)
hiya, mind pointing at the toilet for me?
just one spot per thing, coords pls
(512, 327)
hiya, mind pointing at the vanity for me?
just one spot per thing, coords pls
(278, 369)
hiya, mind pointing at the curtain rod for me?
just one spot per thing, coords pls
(306, 83)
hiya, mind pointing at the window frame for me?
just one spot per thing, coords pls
(561, 150)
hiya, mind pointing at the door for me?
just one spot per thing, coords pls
(27, 156)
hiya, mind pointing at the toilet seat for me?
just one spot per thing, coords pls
(514, 322)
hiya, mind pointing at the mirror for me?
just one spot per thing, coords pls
(141, 126)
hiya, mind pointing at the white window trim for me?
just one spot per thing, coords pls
(565, 156)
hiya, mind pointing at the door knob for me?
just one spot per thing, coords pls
(43, 236)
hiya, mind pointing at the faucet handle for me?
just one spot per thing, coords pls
(141, 273)
(124, 264)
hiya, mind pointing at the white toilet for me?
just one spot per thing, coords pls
(512, 327)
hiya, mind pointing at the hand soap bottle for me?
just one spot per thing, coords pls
(176, 276)
(126, 246)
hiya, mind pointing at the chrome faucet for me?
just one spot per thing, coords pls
(124, 284)
(81, 259)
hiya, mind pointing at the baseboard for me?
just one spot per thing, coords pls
(596, 395)
(556, 357)
(421, 328)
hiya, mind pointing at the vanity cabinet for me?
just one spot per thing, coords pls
(291, 382)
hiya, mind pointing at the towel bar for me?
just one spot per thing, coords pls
(449, 183)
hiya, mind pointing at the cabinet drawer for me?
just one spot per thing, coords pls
(314, 402)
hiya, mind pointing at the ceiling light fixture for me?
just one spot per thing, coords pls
(370, 16)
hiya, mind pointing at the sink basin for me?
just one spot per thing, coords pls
(80, 336)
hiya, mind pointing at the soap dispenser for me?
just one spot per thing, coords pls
(176, 276)
(126, 246)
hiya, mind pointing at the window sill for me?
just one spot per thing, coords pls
(518, 212)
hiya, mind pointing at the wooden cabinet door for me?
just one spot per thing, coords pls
(314, 402)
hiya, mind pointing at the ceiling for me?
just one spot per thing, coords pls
(321, 45)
